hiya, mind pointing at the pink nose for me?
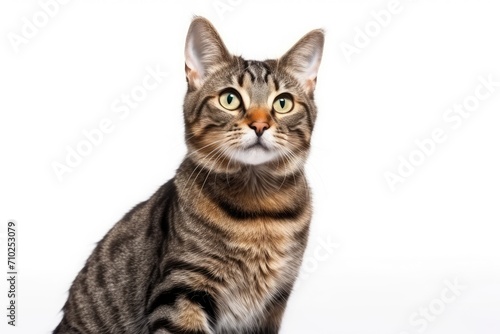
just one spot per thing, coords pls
(259, 127)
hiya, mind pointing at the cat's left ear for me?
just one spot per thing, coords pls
(204, 51)
(304, 58)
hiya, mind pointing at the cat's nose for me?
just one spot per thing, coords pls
(259, 127)
(258, 119)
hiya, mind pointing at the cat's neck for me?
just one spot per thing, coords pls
(255, 185)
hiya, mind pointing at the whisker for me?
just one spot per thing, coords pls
(219, 156)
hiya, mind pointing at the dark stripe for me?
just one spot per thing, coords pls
(266, 67)
(170, 327)
(225, 259)
(212, 227)
(276, 83)
(77, 320)
(265, 330)
(208, 128)
(223, 179)
(247, 64)
(158, 229)
(150, 231)
(202, 298)
(103, 293)
(115, 313)
(174, 235)
(242, 214)
(99, 277)
(153, 278)
(300, 133)
(118, 245)
(281, 296)
(132, 270)
(241, 78)
(303, 234)
(207, 303)
(217, 251)
(90, 297)
(252, 76)
(168, 297)
(199, 109)
(267, 71)
(98, 321)
(165, 203)
(186, 266)
(308, 114)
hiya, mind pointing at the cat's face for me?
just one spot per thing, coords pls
(249, 112)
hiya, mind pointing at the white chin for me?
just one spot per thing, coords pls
(254, 156)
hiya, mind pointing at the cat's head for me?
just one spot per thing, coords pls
(242, 112)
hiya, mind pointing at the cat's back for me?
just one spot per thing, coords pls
(109, 294)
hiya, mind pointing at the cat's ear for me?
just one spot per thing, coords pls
(204, 51)
(304, 58)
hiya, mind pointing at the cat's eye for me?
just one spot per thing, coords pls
(230, 100)
(283, 103)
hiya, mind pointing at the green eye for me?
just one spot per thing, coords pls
(283, 103)
(230, 100)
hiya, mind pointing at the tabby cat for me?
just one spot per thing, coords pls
(218, 247)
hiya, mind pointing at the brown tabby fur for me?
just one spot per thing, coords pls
(217, 248)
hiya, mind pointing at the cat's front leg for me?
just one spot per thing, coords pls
(180, 311)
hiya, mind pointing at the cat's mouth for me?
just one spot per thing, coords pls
(255, 153)
(257, 145)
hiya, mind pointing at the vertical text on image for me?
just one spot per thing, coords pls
(12, 273)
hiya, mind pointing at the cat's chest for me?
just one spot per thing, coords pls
(264, 272)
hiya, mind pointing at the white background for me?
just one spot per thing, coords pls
(393, 249)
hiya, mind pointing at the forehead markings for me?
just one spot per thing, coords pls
(257, 70)
(257, 82)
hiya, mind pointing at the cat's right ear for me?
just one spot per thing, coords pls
(204, 51)
(304, 58)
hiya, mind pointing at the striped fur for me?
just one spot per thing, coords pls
(217, 248)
